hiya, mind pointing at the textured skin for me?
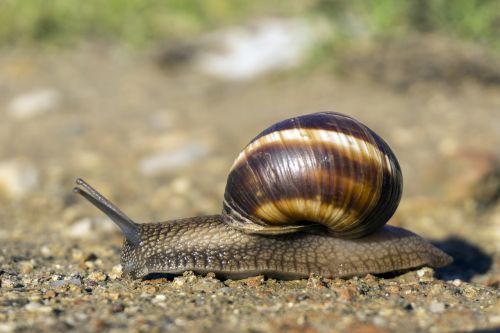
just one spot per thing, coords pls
(206, 244)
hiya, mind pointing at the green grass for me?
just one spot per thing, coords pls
(133, 22)
(472, 20)
(138, 22)
(477, 20)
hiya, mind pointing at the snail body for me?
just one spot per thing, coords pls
(208, 244)
(309, 194)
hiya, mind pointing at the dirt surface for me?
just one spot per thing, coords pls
(159, 144)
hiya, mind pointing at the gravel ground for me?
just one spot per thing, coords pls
(159, 143)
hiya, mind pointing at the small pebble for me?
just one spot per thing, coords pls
(37, 307)
(495, 320)
(379, 321)
(56, 277)
(80, 229)
(149, 289)
(17, 178)
(81, 316)
(254, 281)
(97, 276)
(425, 274)
(393, 289)
(26, 267)
(346, 294)
(315, 282)
(60, 283)
(118, 308)
(116, 272)
(7, 327)
(180, 185)
(45, 251)
(207, 285)
(76, 254)
(92, 264)
(88, 227)
(7, 283)
(159, 298)
(178, 282)
(34, 103)
(437, 307)
(172, 159)
(224, 290)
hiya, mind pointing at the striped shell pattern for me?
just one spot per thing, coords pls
(323, 168)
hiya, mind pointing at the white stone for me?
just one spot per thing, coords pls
(34, 103)
(379, 321)
(495, 320)
(425, 273)
(172, 158)
(116, 272)
(45, 251)
(17, 179)
(86, 227)
(437, 307)
(7, 327)
(80, 229)
(37, 307)
(242, 53)
(178, 282)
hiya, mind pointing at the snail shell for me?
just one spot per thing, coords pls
(323, 168)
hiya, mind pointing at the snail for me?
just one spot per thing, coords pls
(310, 194)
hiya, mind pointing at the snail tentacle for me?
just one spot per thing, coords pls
(129, 228)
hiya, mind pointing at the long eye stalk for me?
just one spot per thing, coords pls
(129, 228)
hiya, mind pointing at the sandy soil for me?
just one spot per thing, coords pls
(159, 143)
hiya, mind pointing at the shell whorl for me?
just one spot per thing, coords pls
(323, 168)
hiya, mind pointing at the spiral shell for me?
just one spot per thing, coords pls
(323, 168)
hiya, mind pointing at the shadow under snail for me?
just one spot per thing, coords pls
(310, 194)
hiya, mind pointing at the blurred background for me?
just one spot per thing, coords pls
(150, 101)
